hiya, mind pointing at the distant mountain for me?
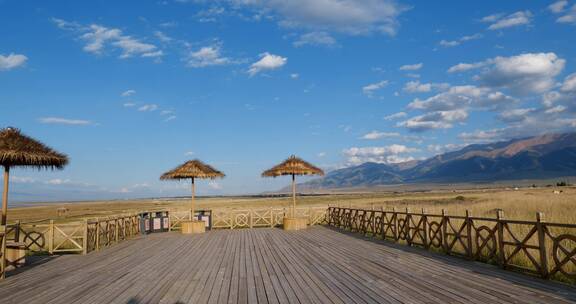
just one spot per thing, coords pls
(539, 157)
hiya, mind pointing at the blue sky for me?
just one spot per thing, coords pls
(130, 89)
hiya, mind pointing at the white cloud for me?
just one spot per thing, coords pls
(569, 17)
(461, 97)
(148, 108)
(569, 84)
(439, 149)
(189, 153)
(267, 62)
(315, 39)
(523, 74)
(294, 75)
(463, 67)
(512, 20)
(515, 115)
(12, 61)
(378, 135)
(207, 56)
(555, 110)
(214, 185)
(58, 181)
(321, 154)
(453, 43)
(434, 120)
(492, 18)
(128, 93)
(411, 67)
(418, 87)
(386, 154)
(396, 116)
(98, 37)
(162, 36)
(64, 121)
(354, 17)
(22, 180)
(371, 88)
(170, 118)
(129, 104)
(558, 6)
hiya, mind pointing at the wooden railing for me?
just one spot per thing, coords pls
(537, 247)
(2, 251)
(73, 237)
(251, 218)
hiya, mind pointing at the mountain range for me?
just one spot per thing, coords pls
(540, 157)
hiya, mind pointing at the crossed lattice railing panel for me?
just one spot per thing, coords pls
(539, 247)
(260, 217)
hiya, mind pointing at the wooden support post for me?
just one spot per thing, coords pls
(250, 216)
(500, 238)
(2, 251)
(425, 229)
(17, 231)
(51, 237)
(407, 221)
(116, 229)
(4, 219)
(395, 224)
(469, 251)
(271, 217)
(444, 224)
(541, 227)
(85, 238)
(97, 247)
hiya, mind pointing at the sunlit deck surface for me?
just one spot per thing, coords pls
(269, 265)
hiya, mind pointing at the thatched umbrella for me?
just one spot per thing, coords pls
(19, 150)
(191, 170)
(293, 166)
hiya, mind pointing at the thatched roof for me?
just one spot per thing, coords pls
(192, 169)
(293, 165)
(17, 149)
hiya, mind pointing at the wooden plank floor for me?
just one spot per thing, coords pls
(318, 265)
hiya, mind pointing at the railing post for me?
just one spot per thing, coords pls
(407, 221)
(116, 228)
(271, 217)
(500, 238)
(85, 238)
(51, 237)
(541, 227)
(97, 247)
(444, 224)
(469, 235)
(424, 220)
(250, 216)
(17, 231)
(395, 224)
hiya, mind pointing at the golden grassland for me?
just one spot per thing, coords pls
(522, 204)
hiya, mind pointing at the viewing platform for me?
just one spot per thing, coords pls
(269, 265)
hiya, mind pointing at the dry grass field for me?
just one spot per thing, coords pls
(516, 204)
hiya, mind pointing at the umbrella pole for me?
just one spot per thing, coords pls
(192, 211)
(5, 195)
(293, 195)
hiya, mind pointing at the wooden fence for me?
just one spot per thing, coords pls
(250, 218)
(536, 247)
(50, 237)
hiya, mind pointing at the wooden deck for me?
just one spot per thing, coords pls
(269, 265)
